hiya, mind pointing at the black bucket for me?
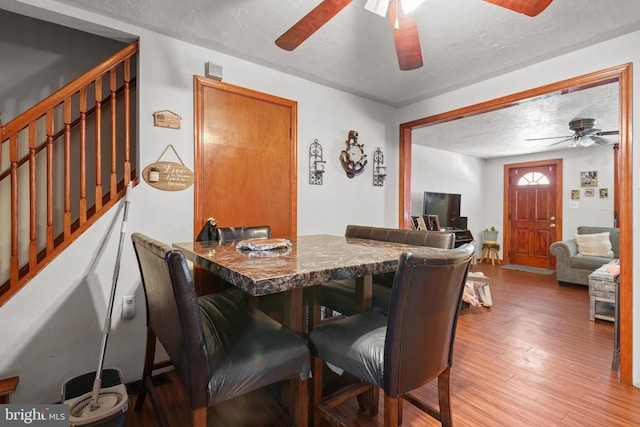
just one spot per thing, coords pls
(113, 400)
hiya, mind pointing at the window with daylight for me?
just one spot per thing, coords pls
(533, 178)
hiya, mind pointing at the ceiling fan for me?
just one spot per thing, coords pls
(584, 134)
(405, 30)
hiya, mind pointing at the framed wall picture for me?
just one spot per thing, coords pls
(604, 193)
(575, 194)
(433, 222)
(589, 192)
(589, 179)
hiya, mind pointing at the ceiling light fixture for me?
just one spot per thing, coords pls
(380, 7)
(581, 141)
(409, 6)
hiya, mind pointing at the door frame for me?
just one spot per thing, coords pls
(623, 75)
(199, 83)
(506, 203)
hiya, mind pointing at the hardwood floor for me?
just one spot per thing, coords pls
(533, 359)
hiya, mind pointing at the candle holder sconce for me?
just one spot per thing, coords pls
(379, 168)
(316, 163)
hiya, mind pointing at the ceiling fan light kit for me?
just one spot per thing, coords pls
(380, 7)
(584, 141)
(585, 134)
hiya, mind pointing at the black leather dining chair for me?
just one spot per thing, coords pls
(340, 295)
(271, 304)
(220, 348)
(402, 351)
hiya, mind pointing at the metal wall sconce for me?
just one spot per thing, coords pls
(316, 163)
(379, 168)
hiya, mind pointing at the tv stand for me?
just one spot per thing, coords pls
(462, 236)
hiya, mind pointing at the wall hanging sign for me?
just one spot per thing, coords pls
(166, 119)
(168, 176)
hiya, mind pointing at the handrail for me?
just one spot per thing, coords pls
(61, 94)
(54, 185)
(43, 144)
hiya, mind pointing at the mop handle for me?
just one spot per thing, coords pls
(116, 269)
(97, 383)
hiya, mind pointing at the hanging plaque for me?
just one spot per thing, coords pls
(168, 176)
(166, 119)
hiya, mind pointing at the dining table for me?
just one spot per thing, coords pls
(309, 261)
(302, 265)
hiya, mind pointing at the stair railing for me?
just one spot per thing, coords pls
(63, 163)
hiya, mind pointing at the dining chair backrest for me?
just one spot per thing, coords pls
(241, 233)
(173, 313)
(210, 231)
(433, 239)
(421, 323)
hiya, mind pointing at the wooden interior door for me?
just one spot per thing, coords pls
(533, 212)
(245, 158)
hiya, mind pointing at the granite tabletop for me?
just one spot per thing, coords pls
(310, 261)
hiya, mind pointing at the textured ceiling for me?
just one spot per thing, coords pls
(503, 132)
(463, 41)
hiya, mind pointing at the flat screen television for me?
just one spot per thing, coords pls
(446, 206)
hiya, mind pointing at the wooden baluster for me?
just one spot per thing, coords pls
(50, 236)
(127, 121)
(98, 124)
(114, 171)
(33, 244)
(14, 264)
(83, 156)
(67, 168)
(20, 271)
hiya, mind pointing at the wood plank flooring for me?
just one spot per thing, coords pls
(533, 359)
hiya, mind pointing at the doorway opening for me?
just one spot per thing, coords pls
(621, 74)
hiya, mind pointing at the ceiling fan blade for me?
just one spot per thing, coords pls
(310, 23)
(600, 140)
(549, 137)
(527, 7)
(560, 142)
(607, 132)
(406, 38)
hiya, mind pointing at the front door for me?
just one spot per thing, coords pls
(533, 206)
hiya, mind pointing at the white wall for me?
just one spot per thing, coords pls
(590, 210)
(480, 182)
(31, 72)
(55, 321)
(604, 55)
(446, 172)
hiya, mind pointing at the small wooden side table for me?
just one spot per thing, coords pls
(490, 251)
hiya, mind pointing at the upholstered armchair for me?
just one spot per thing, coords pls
(574, 266)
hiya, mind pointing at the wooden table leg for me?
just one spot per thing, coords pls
(364, 293)
(295, 391)
(313, 293)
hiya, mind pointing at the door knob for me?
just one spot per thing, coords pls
(553, 218)
(552, 226)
